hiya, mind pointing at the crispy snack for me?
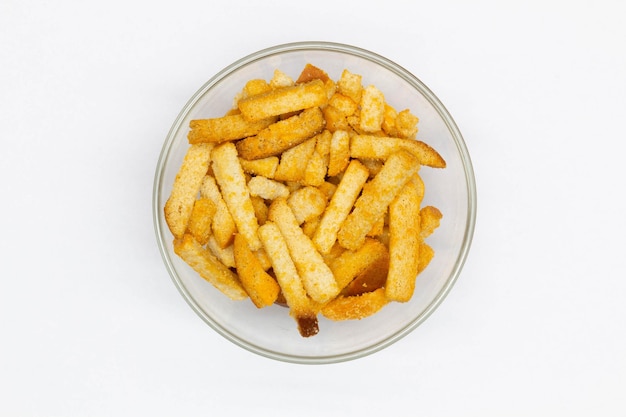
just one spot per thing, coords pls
(306, 194)
(280, 79)
(260, 208)
(225, 255)
(376, 197)
(354, 122)
(328, 189)
(345, 105)
(389, 121)
(309, 226)
(377, 228)
(335, 119)
(375, 147)
(317, 166)
(199, 225)
(340, 205)
(293, 186)
(264, 260)
(223, 225)
(294, 161)
(315, 171)
(406, 124)
(261, 287)
(310, 72)
(317, 277)
(347, 266)
(373, 165)
(426, 254)
(266, 188)
(419, 183)
(339, 152)
(404, 239)
(282, 135)
(256, 86)
(209, 267)
(331, 89)
(284, 100)
(350, 85)
(232, 181)
(185, 188)
(373, 277)
(355, 307)
(322, 144)
(401, 125)
(307, 203)
(430, 218)
(226, 128)
(265, 167)
(372, 109)
(334, 253)
(291, 285)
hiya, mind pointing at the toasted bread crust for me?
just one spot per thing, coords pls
(340, 205)
(350, 264)
(404, 239)
(284, 100)
(376, 197)
(306, 194)
(339, 156)
(316, 276)
(232, 181)
(374, 147)
(209, 267)
(293, 161)
(373, 277)
(292, 287)
(310, 72)
(260, 286)
(430, 218)
(282, 135)
(265, 167)
(372, 109)
(226, 128)
(201, 218)
(222, 225)
(426, 254)
(180, 203)
(355, 307)
(266, 188)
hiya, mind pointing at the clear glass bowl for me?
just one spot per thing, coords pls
(271, 332)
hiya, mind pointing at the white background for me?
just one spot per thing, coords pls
(91, 323)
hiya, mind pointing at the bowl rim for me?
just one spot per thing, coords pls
(407, 77)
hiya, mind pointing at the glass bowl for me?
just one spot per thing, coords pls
(271, 331)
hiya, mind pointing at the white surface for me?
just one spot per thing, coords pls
(91, 323)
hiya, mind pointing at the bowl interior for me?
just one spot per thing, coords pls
(271, 331)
